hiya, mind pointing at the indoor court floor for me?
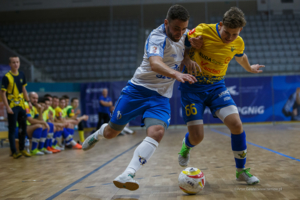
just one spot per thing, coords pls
(273, 156)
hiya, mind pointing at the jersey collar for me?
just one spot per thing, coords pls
(14, 74)
(218, 30)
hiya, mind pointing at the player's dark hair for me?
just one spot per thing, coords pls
(12, 57)
(66, 97)
(47, 96)
(62, 98)
(177, 12)
(46, 99)
(234, 18)
(41, 100)
(75, 98)
(55, 97)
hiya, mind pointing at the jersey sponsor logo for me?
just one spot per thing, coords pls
(154, 49)
(232, 49)
(227, 60)
(174, 56)
(224, 93)
(192, 31)
(212, 70)
(209, 59)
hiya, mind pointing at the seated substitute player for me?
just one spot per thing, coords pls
(221, 42)
(68, 130)
(148, 92)
(72, 115)
(36, 128)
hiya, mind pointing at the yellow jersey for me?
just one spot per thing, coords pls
(33, 113)
(213, 57)
(13, 85)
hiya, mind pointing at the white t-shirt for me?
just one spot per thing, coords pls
(158, 44)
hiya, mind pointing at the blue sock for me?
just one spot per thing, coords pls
(71, 131)
(239, 148)
(67, 135)
(36, 135)
(43, 138)
(187, 142)
(54, 141)
(49, 135)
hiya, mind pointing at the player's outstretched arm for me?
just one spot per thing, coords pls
(244, 62)
(158, 66)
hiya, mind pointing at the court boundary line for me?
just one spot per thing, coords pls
(256, 145)
(87, 175)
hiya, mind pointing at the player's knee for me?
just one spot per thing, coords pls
(40, 126)
(237, 125)
(156, 132)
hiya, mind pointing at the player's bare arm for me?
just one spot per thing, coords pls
(3, 96)
(244, 62)
(192, 66)
(160, 67)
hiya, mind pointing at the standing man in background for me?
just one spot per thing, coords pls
(13, 92)
(105, 104)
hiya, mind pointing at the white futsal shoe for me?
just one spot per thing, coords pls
(245, 175)
(90, 141)
(126, 181)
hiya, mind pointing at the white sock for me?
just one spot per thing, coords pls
(141, 155)
(73, 143)
(127, 130)
(100, 132)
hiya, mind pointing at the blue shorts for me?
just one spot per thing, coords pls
(137, 100)
(193, 104)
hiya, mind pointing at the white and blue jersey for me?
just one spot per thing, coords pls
(158, 44)
(148, 92)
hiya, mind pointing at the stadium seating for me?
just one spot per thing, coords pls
(77, 50)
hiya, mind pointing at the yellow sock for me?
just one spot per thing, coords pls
(81, 136)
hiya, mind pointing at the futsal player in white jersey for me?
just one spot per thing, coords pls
(148, 92)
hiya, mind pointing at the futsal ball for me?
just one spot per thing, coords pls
(191, 180)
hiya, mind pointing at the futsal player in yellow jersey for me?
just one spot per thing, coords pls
(221, 42)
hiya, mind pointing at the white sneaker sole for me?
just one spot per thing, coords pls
(128, 185)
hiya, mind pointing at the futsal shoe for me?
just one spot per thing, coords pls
(45, 151)
(52, 150)
(245, 175)
(90, 141)
(77, 146)
(16, 155)
(37, 152)
(126, 181)
(184, 155)
(25, 153)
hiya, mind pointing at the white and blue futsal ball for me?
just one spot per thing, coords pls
(191, 180)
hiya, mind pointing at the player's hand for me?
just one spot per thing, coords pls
(185, 77)
(9, 111)
(256, 68)
(86, 117)
(196, 42)
(78, 112)
(191, 66)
